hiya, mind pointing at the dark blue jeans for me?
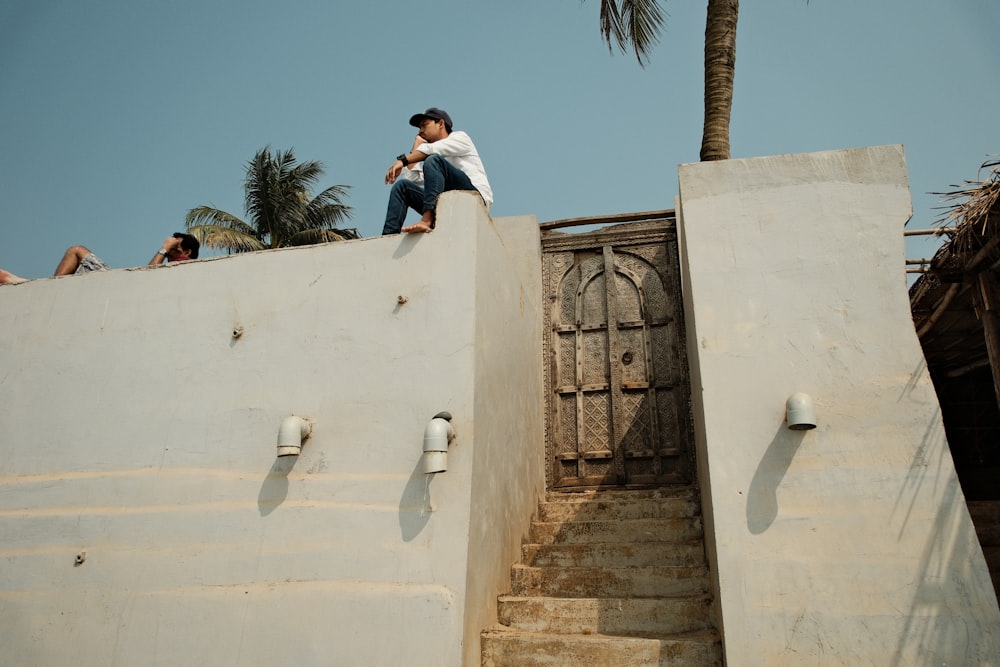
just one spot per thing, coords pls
(439, 176)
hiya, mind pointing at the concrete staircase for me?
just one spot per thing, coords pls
(609, 578)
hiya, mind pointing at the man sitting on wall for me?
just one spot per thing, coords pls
(78, 259)
(440, 160)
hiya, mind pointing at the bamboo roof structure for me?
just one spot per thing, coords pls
(944, 301)
(956, 313)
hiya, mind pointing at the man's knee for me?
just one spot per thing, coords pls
(402, 186)
(78, 251)
(434, 162)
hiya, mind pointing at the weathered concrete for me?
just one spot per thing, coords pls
(610, 580)
(548, 650)
(616, 530)
(582, 507)
(685, 552)
(610, 616)
(851, 543)
(138, 429)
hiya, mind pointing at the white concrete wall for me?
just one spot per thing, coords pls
(137, 429)
(850, 544)
(509, 469)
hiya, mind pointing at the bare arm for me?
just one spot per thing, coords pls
(412, 157)
(169, 245)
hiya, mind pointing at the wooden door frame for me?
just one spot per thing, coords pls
(647, 229)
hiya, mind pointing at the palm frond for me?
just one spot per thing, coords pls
(314, 236)
(611, 25)
(327, 209)
(632, 22)
(224, 238)
(305, 175)
(206, 215)
(262, 196)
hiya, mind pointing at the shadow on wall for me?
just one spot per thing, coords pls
(762, 498)
(274, 490)
(945, 564)
(415, 504)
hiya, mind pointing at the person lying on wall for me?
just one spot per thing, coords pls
(440, 160)
(79, 259)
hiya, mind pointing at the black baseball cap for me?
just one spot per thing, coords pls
(434, 114)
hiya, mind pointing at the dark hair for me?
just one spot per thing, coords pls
(188, 242)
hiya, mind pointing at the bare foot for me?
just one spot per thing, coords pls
(8, 278)
(421, 228)
(425, 224)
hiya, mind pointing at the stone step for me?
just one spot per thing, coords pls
(679, 490)
(609, 578)
(622, 531)
(603, 582)
(506, 648)
(605, 509)
(605, 554)
(649, 617)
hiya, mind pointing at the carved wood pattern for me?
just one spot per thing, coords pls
(618, 408)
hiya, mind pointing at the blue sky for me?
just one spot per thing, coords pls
(118, 117)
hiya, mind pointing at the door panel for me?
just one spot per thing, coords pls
(618, 399)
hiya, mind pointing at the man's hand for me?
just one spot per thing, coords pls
(393, 173)
(397, 167)
(172, 246)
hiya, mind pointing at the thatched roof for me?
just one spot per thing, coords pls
(975, 211)
(956, 310)
(942, 299)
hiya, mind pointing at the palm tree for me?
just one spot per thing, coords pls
(278, 207)
(638, 23)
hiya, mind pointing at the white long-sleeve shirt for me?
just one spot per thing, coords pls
(458, 149)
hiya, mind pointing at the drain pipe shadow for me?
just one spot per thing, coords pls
(415, 505)
(274, 490)
(762, 498)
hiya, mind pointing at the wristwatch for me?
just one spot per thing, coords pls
(161, 251)
(402, 158)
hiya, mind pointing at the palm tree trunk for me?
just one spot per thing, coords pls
(720, 65)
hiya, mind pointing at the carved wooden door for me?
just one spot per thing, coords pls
(618, 390)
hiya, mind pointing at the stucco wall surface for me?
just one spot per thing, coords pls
(849, 544)
(508, 475)
(138, 432)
